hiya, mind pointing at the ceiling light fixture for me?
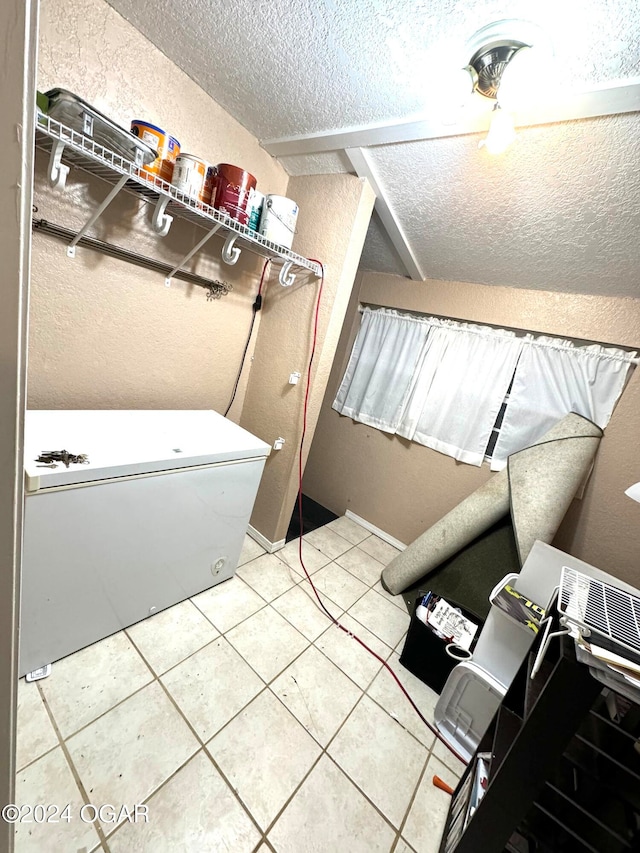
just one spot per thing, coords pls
(504, 68)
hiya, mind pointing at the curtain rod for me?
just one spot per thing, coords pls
(446, 322)
(215, 287)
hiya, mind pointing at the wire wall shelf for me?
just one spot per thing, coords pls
(62, 143)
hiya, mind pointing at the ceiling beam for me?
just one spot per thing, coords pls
(363, 167)
(599, 101)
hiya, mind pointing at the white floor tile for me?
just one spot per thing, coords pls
(49, 781)
(378, 548)
(349, 529)
(388, 695)
(327, 541)
(169, 637)
(268, 576)
(400, 646)
(338, 585)
(250, 550)
(398, 600)
(425, 823)
(382, 758)
(362, 565)
(381, 617)
(93, 680)
(317, 693)
(35, 734)
(194, 812)
(228, 603)
(313, 559)
(333, 814)
(445, 755)
(211, 686)
(267, 642)
(264, 753)
(349, 655)
(125, 755)
(300, 606)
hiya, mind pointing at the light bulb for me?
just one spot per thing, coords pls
(520, 81)
(501, 132)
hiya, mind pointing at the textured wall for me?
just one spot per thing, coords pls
(334, 214)
(404, 488)
(104, 333)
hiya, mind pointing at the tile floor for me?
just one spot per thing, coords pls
(243, 720)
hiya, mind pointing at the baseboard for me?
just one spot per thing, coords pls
(269, 547)
(373, 529)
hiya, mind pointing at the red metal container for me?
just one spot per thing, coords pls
(230, 191)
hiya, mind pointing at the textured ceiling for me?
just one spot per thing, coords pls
(557, 211)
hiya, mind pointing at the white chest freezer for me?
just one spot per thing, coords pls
(157, 515)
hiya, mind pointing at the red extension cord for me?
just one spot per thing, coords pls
(320, 602)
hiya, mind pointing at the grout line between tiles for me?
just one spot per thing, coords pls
(324, 751)
(412, 798)
(222, 633)
(223, 776)
(76, 776)
(146, 799)
(33, 760)
(115, 705)
(366, 796)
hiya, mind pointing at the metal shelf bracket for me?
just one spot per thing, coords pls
(160, 220)
(71, 248)
(230, 253)
(193, 251)
(57, 170)
(286, 277)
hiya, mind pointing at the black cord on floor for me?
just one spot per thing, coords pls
(257, 305)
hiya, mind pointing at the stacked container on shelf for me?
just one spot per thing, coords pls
(225, 187)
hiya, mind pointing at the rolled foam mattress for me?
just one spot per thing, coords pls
(537, 486)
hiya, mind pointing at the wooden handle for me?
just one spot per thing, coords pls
(439, 783)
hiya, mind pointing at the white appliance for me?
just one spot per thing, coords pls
(157, 515)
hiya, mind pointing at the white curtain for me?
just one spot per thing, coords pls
(442, 383)
(555, 377)
(386, 353)
(463, 380)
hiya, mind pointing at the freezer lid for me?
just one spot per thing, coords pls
(126, 443)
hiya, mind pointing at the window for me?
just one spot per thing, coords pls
(473, 391)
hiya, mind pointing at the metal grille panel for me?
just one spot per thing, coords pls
(600, 607)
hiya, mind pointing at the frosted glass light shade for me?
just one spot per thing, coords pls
(501, 132)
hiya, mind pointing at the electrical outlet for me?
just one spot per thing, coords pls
(278, 444)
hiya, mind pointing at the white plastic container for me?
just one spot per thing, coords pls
(278, 220)
(191, 177)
